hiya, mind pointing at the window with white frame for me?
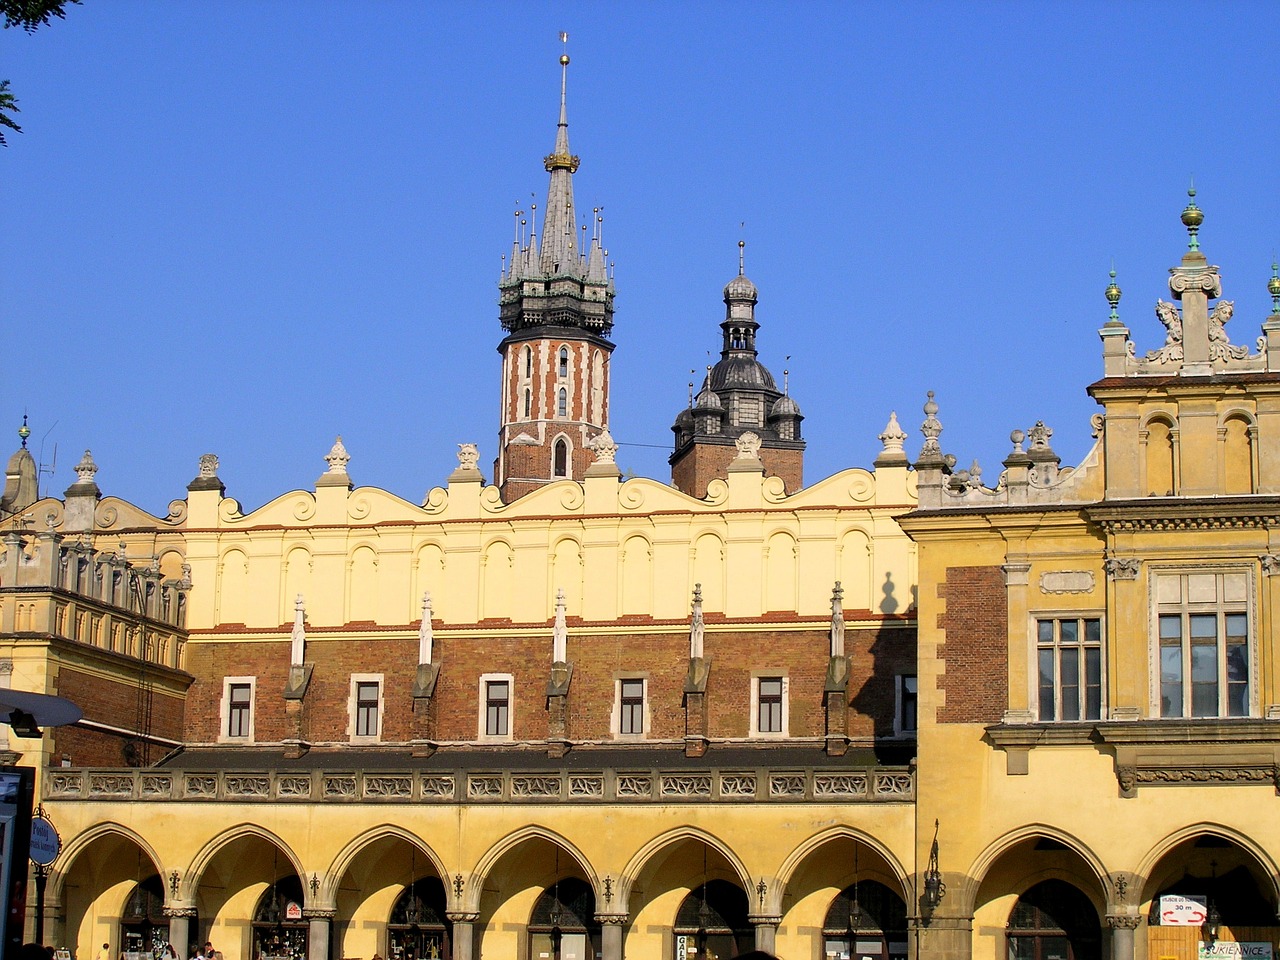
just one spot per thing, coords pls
(632, 707)
(1069, 668)
(769, 706)
(237, 708)
(905, 705)
(1203, 636)
(366, 706)
(495, 706)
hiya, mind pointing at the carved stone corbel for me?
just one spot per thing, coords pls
(1122, 568)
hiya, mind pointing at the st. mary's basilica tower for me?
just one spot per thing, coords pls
(556, 305)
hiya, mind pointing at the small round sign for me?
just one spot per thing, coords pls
(45, 844)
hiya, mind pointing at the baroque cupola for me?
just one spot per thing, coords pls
(739, 395)
(555, 303)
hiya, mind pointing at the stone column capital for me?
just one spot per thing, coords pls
(462, 916)
(1123, 921)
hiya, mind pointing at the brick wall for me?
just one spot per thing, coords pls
(800, 655)
(975, 653)
(704, 462)
(114, 703)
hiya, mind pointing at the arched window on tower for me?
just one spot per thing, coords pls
(562, 404)
(528, 362)
(564, 362)
(528, 403)
(560, 468)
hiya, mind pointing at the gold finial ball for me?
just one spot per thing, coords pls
(564, 59)
(1113, 291)
(741, 244)
(1192, 216)
(1273, 286)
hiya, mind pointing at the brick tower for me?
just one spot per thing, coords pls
(738, 396)
(556, 305)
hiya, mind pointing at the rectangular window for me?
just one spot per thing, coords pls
(769, 705)
(497, 708)
(1202, 629)
(904, 723)
(367, 697)
(631, 706)
(1069, 667)
(239, 710)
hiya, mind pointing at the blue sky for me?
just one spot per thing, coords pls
(244, 228)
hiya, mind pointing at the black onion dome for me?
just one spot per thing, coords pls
(707, 400)
(740, 288)
(784, 406)
(741, 373)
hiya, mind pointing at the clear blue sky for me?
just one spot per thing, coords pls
(246, 227)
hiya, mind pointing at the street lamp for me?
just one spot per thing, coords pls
(934, 888)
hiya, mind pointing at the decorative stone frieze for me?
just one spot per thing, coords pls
(876, 784)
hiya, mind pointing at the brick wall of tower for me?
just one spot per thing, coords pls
(704, 462)
(585, 380)
(975, 654)
(878, 655)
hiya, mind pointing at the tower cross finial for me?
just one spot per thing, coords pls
(564, 75)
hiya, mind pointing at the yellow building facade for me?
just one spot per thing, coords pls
(1097, 658)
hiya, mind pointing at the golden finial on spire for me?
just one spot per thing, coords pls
(564, 57)
(1192, 217)
(742, 260)
(1113, 295)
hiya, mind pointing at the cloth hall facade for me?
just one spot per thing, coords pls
(893, 713)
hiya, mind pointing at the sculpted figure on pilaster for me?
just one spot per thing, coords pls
(1168, 314)
(1220, 347)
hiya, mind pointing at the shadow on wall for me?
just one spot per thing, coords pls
(888, 692)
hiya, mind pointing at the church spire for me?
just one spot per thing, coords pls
(560, 253)
(555, 301)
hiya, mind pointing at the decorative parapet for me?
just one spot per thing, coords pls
(605, 785)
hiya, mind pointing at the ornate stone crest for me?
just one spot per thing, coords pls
(86, 468)
(337, 458)
(603, 446)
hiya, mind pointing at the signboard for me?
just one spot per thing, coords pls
(292, 911)
(17, 785)
(1222, 950)
(45, 844)
(1178, 911)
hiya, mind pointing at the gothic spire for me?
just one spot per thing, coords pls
(560, 254)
